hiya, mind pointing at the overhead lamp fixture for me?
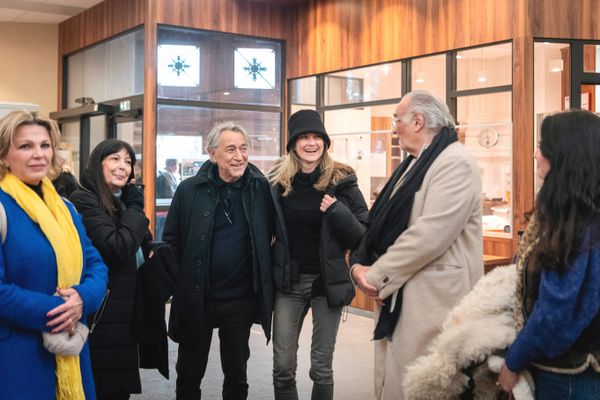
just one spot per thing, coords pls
(226, 93)
(555, 65)
(420, 77)
(481, 76)
(459, 56)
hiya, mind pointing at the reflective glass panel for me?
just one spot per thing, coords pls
(485, 127)
(429, 73)
(591, 58)
(484, 67)
(218, 67)
(362, 138)
(303, 93)
(110, 70)
(358, 85)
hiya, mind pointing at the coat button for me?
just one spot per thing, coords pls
(198, 263)
(196, 288)
(206, 213)
(386, 279)
(202, 237)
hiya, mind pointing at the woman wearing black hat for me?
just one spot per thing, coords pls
(320, 214)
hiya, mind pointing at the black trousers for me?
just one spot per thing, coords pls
(233, 318)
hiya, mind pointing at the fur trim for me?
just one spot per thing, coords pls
(482, 324)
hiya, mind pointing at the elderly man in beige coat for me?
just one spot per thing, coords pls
(423, 250)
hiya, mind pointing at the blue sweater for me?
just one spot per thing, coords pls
(28, 280)
(566, 305)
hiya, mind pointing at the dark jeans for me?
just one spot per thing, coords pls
(234, 319)
(552, 386)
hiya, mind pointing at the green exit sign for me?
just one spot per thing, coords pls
(125, 105)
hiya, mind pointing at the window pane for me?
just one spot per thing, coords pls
(303, 93)
(181, 136)
(484, 67)
(110, 70)
(485, 127)
(361, 138)
(217, 67)
(364, 84)
(429, 73)
(131, 132)
(591, 58)
(551, 85)
(70, 137)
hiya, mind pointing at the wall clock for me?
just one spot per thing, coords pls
(488, 137)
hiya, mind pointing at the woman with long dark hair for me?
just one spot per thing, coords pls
(112, 208)
(558, 295)
(320, 212)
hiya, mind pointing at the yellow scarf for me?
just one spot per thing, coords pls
(55, 221)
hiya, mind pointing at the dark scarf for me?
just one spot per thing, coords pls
(389, 217)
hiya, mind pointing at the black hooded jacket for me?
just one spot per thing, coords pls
(341, 230)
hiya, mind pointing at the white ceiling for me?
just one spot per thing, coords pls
(42, 11)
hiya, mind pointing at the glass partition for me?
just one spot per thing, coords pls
(485, 127)
(303, 94)
(429, 73)
(359, 85)
(362, 138)
(217, 67)
(483, 67)
(110, 70)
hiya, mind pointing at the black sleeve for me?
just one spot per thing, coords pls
(116, 241)
(172, 230)
(348, 221)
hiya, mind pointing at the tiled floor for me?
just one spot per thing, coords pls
(353, 365)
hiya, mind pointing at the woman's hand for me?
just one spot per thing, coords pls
(507, 379)
(67, 314)
(326, 202)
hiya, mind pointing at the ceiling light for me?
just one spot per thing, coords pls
(226, 93)
(555, 65)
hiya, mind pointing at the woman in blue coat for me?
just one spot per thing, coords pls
(51, 277)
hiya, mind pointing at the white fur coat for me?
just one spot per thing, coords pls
(480, 326)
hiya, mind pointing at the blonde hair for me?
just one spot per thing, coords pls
(9, 124)
(288, 166)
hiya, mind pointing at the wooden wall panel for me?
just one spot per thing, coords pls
(330, 35)
(100, 22)
(235, 16)
(574, 19)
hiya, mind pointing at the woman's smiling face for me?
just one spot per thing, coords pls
(116, 169)
(309, 147)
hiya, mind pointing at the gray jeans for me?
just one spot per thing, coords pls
(290, 310)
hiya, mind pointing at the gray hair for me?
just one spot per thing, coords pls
(212, 140)
(434, 111)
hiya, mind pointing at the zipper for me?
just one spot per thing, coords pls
(98, 314)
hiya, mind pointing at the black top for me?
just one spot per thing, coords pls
(230, 270)
(37, 189)
(303, 221)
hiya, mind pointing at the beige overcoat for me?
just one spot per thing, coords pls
(438, 259)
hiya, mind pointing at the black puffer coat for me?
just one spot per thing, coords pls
(113, 346)
(188, 230)
(342, 229)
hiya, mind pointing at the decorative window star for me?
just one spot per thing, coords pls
(255, 68)
(179, 66)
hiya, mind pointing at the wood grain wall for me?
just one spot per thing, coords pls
(568, 19)
(337, 34)
(235, 16)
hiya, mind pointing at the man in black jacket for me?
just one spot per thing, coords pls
(220, 228)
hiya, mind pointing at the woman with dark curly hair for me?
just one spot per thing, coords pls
(558, 294)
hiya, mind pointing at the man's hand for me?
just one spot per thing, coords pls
(359, 274)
